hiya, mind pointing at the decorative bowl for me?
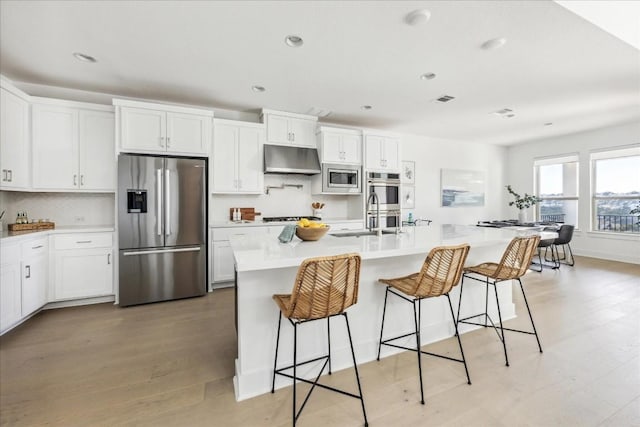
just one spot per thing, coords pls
(311, 234)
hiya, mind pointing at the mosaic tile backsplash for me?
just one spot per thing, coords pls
(61, 208)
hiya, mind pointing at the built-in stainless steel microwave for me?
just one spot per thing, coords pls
(344, 179)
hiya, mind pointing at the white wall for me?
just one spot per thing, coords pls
(431, 155)
(520, 160)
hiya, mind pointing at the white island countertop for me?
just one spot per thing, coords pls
(263, 252)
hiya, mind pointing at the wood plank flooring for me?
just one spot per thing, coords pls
(171, 364)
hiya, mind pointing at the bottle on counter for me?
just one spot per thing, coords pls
(410, 219)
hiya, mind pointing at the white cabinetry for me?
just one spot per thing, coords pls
(290, 129)
(82, 265)
(158, 128)
(14, 138)
(10, 286)
(340, 146)
(237, 157)
(73, 148)
(24, 277)
(382, 153)
(35, 273)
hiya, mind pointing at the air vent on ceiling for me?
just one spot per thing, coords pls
(445, 98)
(505, 113)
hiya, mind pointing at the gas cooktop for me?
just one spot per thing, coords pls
(288, 218)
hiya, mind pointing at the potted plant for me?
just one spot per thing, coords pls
(522, 203)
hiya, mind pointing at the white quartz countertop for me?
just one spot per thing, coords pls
(266, 252)
(260, 223)
(14, 236)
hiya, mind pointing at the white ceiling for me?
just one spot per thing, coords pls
(555, 67)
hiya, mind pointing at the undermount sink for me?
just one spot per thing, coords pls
(361, 233)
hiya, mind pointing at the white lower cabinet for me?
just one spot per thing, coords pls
(10, 286)
(83, 265)
(222, 262)
(35, 274)
(223, 269)
(24, 280)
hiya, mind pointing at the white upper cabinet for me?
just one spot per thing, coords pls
(97, 150)
(159, 128)
(341, 146)
(290, 129)
(14, 139)
(237, 157)
(73, 147)
(382, 153)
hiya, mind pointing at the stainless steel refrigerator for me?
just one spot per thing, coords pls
(161, 227)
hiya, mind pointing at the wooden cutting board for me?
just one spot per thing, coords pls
(247, 214)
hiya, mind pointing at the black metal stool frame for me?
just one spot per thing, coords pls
(554, 259)
(416, 318)
(314, 383)
(500, 334)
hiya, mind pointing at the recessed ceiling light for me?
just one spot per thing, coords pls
(366, 107)
(428, 76)
(493, 43)
(83, 57)
(417, 17)
(257, 88)
(548, 124)
(294, 41)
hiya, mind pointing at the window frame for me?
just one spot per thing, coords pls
(557, 160)
(608, 154)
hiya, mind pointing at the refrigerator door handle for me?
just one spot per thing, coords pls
(167, 203)
(162, 251)
(159, 201)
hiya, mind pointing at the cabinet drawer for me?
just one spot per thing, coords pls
(221, 234)
(35, 247)
(83, 241)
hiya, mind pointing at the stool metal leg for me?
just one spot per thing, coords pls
(504, 343)
(455, 325)
(355, 367)
(530, 317)
(384, 311)
(459, 302)
(486, 304)
(295, 363)
(415, 318)
(275, 359)
(329, 341)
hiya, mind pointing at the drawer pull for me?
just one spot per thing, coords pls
(37, 247)
(83, 241)
(28, 272)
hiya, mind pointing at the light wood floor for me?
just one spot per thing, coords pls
(171, 364)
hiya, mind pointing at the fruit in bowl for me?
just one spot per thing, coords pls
(311, 230)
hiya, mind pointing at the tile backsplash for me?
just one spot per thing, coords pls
(61, 208)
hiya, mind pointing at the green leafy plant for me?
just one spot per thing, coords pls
(522, 202)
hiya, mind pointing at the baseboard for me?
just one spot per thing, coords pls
(82, 301)
(608, 256)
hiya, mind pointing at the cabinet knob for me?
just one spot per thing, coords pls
(108, 259)
(82, 179)
(10, 179)
(27, 269)
(75, 180)
(4, 174)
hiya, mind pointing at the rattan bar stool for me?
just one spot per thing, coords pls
(324, 287)
(439, 274)
(514, 264)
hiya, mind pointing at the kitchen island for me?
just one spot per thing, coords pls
(264, 267)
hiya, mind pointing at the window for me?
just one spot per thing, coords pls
(557, 188)
(616, 190)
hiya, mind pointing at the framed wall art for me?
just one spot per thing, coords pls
(462, 188)
(408, 176)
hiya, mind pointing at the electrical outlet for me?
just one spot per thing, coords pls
(79, 219)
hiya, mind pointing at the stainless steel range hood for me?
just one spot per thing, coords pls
(283, 159)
